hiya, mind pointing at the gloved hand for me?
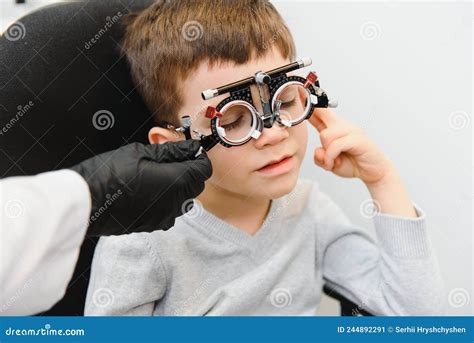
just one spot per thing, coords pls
(143, 188)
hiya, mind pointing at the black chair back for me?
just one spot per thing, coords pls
(66, 95)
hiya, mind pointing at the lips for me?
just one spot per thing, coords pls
(275, 162)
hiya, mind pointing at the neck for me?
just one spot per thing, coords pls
(244, 212)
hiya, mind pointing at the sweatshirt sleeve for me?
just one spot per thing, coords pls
(396, 274)
(127, 278)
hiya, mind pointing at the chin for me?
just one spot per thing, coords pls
(280, 185)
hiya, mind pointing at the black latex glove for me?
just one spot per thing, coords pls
(143, 188)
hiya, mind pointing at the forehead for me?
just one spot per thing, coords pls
(206, 77)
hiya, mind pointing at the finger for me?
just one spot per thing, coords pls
(155, 223)
(338, 146)
(343, 166)
(198, 170)
(327, 136)
(317, 123)
(319, 159)
(319, 156)
(173, 151)
(319, 162)
(326, 115)
(339, 162)
(167, 224)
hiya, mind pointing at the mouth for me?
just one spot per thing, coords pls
(279, 166)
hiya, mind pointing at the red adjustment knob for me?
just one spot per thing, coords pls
(211, 112)
(310, 79)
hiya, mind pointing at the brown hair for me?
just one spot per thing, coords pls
(168, 40)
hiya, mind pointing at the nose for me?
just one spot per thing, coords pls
(271, 136)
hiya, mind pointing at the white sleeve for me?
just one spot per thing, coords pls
(43, 221)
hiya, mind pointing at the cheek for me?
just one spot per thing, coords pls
(229, 164)
(300, 135)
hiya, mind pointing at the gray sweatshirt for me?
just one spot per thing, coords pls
(204, 266)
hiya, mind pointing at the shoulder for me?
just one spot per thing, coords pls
(309, 204)
(126, 277)
(158, 247)
(130, 249)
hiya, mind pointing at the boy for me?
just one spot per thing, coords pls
(260, 241)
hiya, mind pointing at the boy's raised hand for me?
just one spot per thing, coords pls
(346, 150)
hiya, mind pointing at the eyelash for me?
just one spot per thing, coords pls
(289, 103)
(237, 121)
(233, 124)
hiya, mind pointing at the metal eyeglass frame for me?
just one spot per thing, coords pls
(269, 84)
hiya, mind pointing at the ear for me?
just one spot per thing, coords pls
(159, 135)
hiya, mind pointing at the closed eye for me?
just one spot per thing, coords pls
(234, 124)
(289, 103)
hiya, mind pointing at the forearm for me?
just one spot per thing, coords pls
(397, 274)
(390, 195)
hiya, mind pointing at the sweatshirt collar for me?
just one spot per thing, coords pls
(203, 220)
(289, 205)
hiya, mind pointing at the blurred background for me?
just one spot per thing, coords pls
(403, 72)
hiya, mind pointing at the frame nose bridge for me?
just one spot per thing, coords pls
(256, 100)
(264, 110)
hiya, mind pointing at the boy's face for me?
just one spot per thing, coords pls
(241, 169)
